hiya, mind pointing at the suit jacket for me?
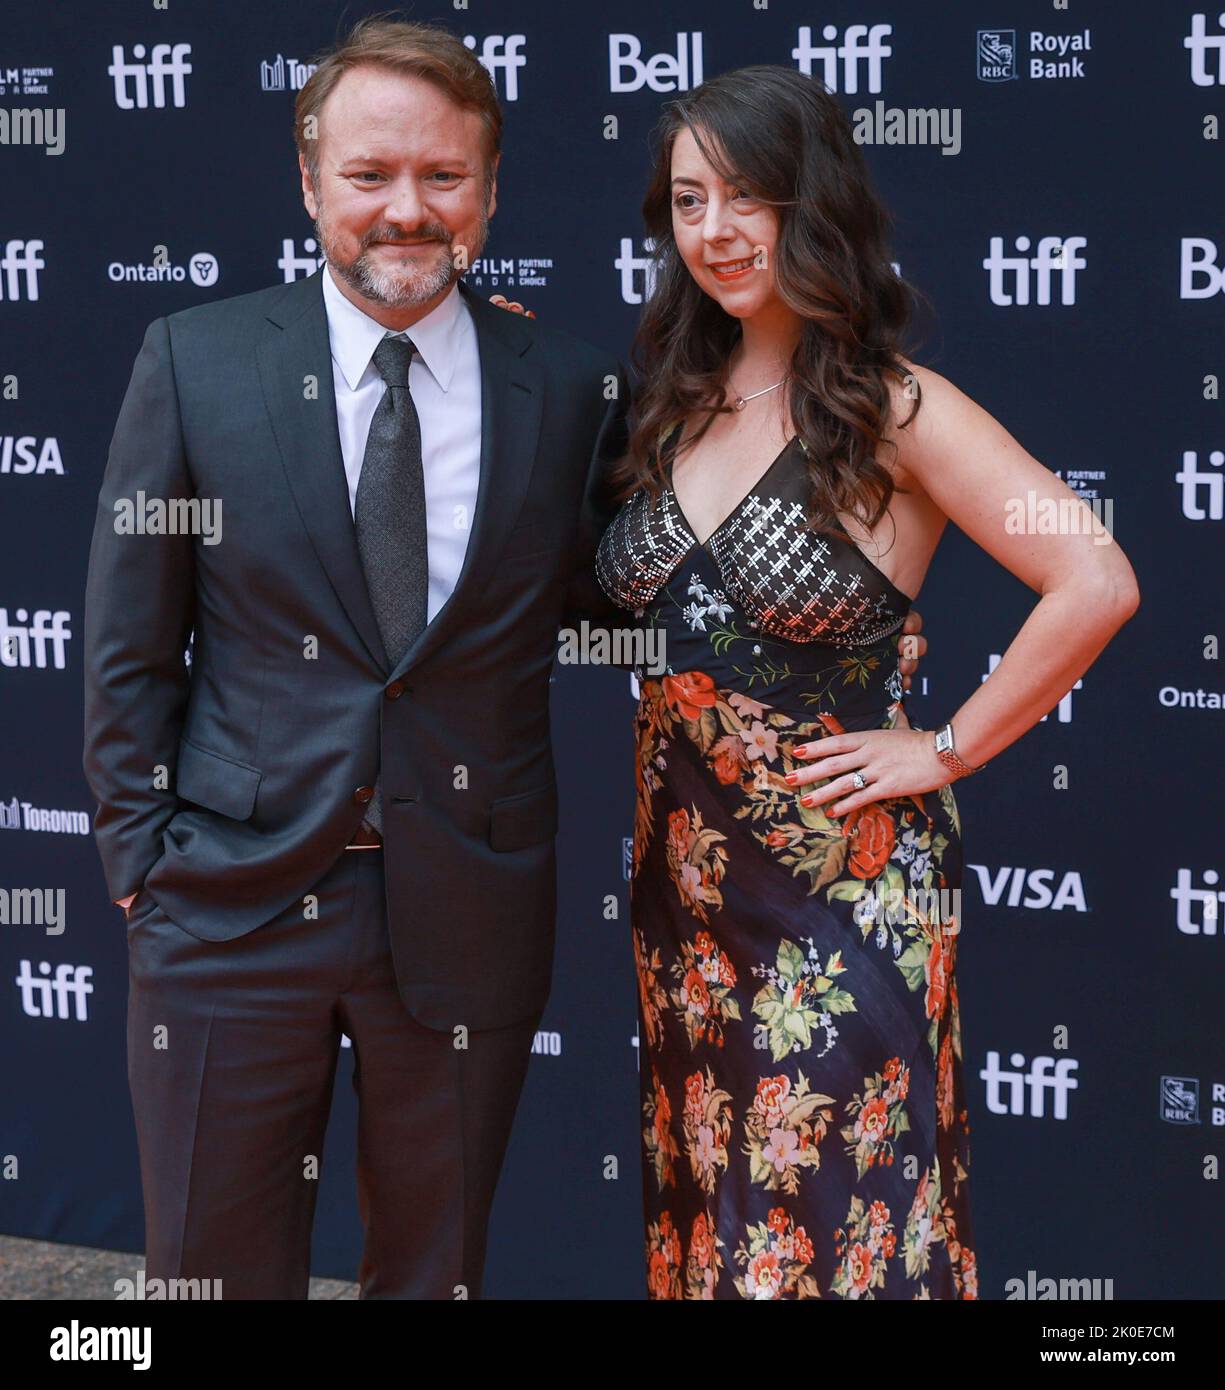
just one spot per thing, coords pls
(227, 787)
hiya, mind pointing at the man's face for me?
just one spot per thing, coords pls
(400, 203)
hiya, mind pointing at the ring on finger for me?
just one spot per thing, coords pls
(858, 781)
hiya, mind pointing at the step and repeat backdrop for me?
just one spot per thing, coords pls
(1056, 183)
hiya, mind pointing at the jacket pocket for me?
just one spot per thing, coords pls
(526, 818)
(216, 782)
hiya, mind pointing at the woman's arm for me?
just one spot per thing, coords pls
(982, 480)
(985, 482)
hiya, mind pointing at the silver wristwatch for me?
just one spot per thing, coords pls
(948, 756)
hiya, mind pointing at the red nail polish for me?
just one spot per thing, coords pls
(790, 779)
(802, 751)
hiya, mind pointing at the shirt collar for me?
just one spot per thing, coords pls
(355, 335)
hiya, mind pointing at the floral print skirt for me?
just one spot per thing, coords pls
(804, 1129)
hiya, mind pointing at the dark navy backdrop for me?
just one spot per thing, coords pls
(1089, 940)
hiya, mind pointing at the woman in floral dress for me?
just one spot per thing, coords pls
(797, 847)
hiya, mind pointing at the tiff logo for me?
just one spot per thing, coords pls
(500, 53)
(1199, 43)
(636, 270)
(168, 61)
(1193, 482)
(20, 258)
(1038, 1079)
(20, 640)
(1009, 276)
(291, 265)
(45, 997)
(863, 44)
(1208, 898)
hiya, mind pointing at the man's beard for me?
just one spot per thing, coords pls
(399, 286)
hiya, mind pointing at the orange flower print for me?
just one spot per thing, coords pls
(783, 1129)
(707, 1126)
(944, 1082)
(705, 999)
(651, 994)
(663, 1258)
(865, 1243)
(729, 759)
(659, 1144)
(697, 861)
(689, 693)
(775, 1255)
(880, 1116)
(703, 1262)
(871, 830)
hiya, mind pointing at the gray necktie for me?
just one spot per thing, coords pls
(389, 517)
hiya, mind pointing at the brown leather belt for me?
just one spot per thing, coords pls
(365, 838)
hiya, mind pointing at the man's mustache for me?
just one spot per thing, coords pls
(433, 233)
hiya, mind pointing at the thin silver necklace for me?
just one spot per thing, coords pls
(741, 401)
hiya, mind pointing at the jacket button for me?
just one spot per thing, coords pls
(394, 690)
(363, 794)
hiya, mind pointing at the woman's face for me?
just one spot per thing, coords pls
(724, 236)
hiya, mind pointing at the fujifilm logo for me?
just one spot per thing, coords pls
(1208, 899)
(500, 54)
(1035, 885)
(1006, 1089)
(840, 65)
(137, 81)
(680, 71)
(1010, 279)
(46, 996)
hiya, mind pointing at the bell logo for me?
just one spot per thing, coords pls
(663, 72)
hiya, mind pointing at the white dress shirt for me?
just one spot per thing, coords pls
(445, 381)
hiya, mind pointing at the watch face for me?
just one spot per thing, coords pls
(944, 740)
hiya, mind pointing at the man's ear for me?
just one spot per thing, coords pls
(308, 192)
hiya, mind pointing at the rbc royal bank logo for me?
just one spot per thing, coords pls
(997, 55)
(1180, 1100)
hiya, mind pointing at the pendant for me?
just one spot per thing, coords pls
(739, 403)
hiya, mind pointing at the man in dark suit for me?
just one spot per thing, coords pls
(340, 816)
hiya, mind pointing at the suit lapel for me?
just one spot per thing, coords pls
(309, 442)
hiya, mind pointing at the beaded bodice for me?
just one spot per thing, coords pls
(790, 581)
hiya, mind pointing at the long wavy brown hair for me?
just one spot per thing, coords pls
(784, 138)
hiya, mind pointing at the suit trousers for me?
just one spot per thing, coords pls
(232, 1052)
